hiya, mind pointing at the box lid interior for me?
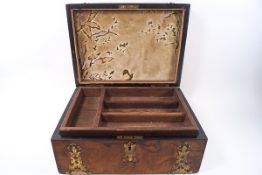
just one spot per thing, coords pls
(123, 44)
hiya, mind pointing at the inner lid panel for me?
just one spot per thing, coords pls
(140, 45)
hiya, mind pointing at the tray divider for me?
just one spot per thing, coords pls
(100, 107)
(179, 105)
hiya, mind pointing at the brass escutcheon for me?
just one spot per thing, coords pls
(129, 150)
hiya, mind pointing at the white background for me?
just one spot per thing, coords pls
(221, 80)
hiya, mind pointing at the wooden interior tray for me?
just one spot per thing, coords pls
(146, 111)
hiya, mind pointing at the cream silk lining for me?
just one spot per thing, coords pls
(127, 45)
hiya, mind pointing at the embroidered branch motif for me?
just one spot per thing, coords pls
(104, 76)
(92, 39)
(165, 34)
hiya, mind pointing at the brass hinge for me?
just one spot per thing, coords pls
(128, 6)
(129, 137)
(161, 85)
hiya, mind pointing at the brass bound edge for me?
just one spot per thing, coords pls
(76, 166)
(181, 165)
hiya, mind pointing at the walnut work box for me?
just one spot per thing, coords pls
(127, 114)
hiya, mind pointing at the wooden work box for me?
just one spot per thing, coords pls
(128, 113)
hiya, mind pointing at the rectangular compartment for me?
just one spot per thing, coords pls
(85, 111)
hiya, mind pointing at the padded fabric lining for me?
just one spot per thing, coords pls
(127, 45)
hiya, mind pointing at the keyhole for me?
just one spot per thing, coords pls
(129, 147)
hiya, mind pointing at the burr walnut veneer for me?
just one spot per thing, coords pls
(128, 113)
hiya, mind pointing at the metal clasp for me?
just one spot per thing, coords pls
(128, 6)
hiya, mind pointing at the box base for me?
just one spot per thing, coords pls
(128, 155)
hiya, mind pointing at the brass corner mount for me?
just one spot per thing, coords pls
(76, 166)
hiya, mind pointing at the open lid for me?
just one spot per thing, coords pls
(127, 43)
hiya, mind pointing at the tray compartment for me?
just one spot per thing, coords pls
(86, 110)
(136, 104)
(137, 98)
(143, 116)
(141, 102)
